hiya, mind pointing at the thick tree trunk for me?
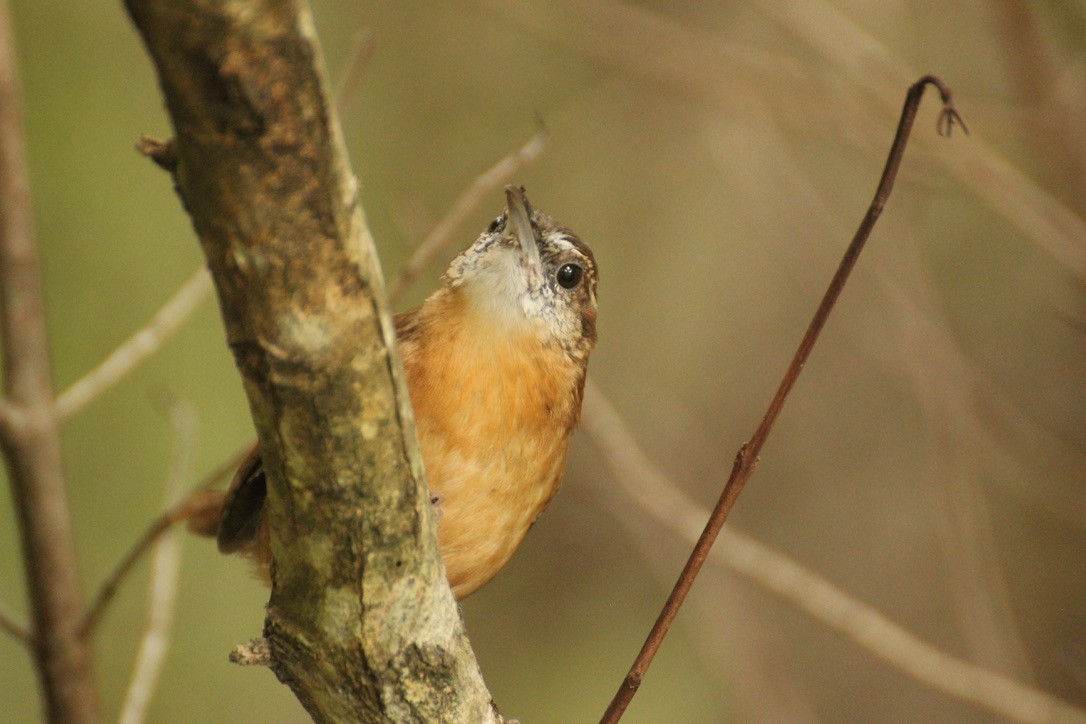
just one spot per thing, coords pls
(361, 623)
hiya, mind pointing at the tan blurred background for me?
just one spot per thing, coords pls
(717, 157)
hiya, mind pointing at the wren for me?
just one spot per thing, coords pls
(495, 363)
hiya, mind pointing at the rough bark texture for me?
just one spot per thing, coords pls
(361, 624)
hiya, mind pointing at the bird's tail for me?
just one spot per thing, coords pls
(202, 511)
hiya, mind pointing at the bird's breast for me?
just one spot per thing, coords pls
(494, 410)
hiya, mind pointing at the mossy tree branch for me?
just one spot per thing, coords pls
(361, 623)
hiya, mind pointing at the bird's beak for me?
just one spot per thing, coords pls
(517, 214)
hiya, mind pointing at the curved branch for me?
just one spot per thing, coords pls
(747, 457)
(361, 623)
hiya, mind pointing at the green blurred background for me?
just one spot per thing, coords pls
(717, 158)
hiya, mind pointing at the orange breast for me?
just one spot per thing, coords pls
(494, 408)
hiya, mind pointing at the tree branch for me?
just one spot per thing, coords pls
(165, 572)
(31, 435)
(747, 457)
(361, 623)
(660, 498)
(12, 625)
(143, 343)
(158, 527)
(168, 319)
(493, 178)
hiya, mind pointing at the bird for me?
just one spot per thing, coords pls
(495, 362)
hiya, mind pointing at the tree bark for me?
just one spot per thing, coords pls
(30, 431)
(361, 623)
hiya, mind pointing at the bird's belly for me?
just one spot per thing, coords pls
(494, 412)
(488, 502)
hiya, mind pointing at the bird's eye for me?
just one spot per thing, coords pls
(496, 224)
(569, 275)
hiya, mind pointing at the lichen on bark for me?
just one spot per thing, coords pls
(361, 623)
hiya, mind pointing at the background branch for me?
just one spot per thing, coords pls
(262, 171)
(661, 499)
(484, 184)
(10, 624)
(177, 512)
(165, 571)
(747, 457)
(690, 146)
(143, 343)
(31, 440)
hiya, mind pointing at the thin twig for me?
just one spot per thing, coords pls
(32, 447)
(141, 345)
(664, 501)
(747, 457)
(484, 184)
(9, 623)
(165, 570)
(165, 520)
(960, 461)
(863, 62)
(361, 54)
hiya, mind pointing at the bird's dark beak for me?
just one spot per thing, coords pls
(521, 226)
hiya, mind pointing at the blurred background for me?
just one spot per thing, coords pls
(717, 157)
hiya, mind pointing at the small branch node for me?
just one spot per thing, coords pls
(9, 624)
(161, 152)
(255, 653)
(948, 116)
(10, 418)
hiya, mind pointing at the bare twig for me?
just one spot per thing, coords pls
(31, 439)
(861, 60)
(9, 623)
(165, 520)
(165, 569)
(484, 184)
(361, 54)
(747, 457)
(692, 60)
(141, 345)
(664, 501)
(962, 456)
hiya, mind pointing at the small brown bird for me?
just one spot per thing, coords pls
(495, 363)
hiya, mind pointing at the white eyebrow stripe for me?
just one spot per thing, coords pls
(563, 244)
